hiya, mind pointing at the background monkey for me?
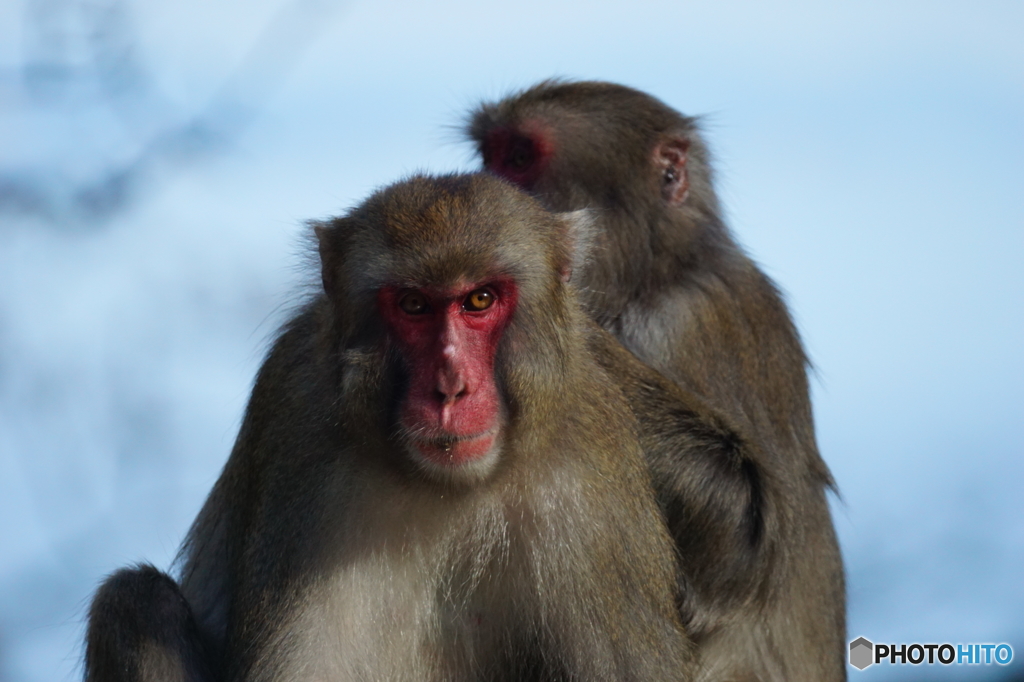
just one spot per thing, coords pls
(668, 280)
(435, 478)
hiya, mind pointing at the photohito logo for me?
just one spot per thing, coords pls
(864, 653)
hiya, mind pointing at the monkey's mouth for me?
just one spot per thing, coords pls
(451, 450)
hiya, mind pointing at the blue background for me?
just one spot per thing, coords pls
(157, 161)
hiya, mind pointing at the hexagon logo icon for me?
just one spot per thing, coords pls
(861, 653)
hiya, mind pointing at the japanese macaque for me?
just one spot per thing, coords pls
(436, 477)
(765, 598)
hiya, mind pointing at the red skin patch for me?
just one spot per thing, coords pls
(519, 154)
(452, 410)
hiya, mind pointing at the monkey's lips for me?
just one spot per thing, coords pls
(453, 451)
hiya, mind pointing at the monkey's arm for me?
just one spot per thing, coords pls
(715, 497)
(609, 569)
(141, 629)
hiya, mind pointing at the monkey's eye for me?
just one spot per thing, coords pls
(413, 303)
(481, 299)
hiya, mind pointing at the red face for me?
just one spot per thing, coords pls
(452, 412)
(519, 154)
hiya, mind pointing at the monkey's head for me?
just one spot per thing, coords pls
(590, 144)
(639, 164)
(449, 304)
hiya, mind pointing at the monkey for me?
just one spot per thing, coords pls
(436, 478)
(761, 573)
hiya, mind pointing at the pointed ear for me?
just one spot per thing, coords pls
(580, 229)
(327, 237)
(670, 161)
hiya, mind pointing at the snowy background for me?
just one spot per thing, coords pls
(157, 161)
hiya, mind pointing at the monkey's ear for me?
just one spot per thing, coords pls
(580, 231)
(330, 257)
(670, 161)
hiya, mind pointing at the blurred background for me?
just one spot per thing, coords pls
(157, 161)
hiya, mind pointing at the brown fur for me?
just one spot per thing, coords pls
(760, 568)
(322, 553)
(141, 628)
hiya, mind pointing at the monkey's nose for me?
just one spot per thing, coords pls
(451, 386)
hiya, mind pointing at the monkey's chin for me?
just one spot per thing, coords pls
(469, 457)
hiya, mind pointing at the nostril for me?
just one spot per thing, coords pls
(446, 395)
(450, 397)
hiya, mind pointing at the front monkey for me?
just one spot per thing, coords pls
(434, 480)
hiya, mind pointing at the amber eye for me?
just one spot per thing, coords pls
(413, 303)
(481, 299)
